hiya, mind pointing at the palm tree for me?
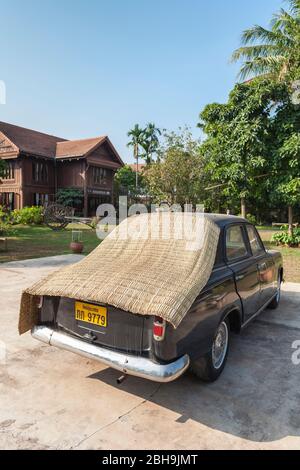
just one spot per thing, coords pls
(273, 52)
(137, 135)
(152, 134)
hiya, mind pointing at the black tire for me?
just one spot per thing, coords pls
(205, 368)
(276, 301)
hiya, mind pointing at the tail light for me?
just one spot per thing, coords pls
(159, 329)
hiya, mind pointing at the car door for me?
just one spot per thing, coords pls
(240, 260)
(265, 265)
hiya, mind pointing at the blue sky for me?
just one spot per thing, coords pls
(79, 69)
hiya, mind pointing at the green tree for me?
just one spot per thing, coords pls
(151, 142)
(125, 178)
(286, 154)
(252, 150)
(238, 140)
(177, 177)
(273, 52)
(137, 135)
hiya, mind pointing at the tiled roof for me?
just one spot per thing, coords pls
(77, 148)
(44, 145)
(29, 141)
(141, 166)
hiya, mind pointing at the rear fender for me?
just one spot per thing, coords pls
(195, 333)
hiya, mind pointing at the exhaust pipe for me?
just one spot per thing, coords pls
(127, 365)
(121, 379)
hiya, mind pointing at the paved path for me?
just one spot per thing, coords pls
(54, 399)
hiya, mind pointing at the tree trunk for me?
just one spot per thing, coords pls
(290, 220)
(136, 151)
(243, 207)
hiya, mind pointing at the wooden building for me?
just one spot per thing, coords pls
(38, 165)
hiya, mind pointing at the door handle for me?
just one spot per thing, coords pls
(240, 277)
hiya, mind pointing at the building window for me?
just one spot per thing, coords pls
(8, 200)
(40, 172)
(40, 199)
(9, 171)
(95, 201)
(99, 175)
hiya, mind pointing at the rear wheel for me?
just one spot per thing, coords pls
(276, 301)
(209, 367)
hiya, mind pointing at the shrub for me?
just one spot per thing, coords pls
(28, 216)
(72, 197)
(284, 238)
(5, 229)
(5, 214)
(251, 219)
(5, 222)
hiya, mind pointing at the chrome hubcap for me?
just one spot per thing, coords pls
(220, 346)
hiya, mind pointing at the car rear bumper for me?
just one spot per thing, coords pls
(127, 364)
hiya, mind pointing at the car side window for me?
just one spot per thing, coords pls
(255, 244)
(235, 243)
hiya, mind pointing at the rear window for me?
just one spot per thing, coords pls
(255, 243)
(235, 243)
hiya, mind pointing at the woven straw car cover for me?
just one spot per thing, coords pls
(151, 264)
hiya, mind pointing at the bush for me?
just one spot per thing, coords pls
(251, 219)
(5, 215)
(6, 229)
(5, 222)
(72, 197)
(284, 238)
(28, 216)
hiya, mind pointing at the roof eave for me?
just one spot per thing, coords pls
(69, 157)
(36, 155)
(107, 139)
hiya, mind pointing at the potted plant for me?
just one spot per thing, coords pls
(76, 244)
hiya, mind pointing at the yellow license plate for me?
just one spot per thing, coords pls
(89, 313)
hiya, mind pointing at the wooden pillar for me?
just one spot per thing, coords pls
(21, 177)
(85, 192)
(112, 197)
(55, 178)
(21, 199)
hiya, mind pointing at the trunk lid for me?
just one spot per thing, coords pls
(124, 331)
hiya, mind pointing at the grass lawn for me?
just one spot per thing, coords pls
(268, 228)
(36, 242)
(291, 256)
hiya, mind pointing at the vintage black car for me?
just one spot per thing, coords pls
(245, 280)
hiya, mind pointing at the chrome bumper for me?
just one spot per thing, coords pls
(132, 365)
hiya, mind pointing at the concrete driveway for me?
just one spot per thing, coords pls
(54, 399)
